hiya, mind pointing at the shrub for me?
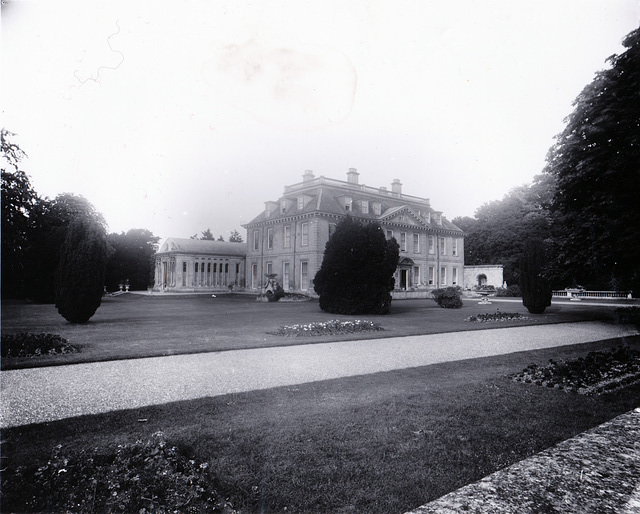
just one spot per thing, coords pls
(356, 275)
(448, 298)
(510, 291)
(80, 276)
(536, 292)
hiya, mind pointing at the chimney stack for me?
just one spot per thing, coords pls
(308, 176)
(396, 187)
(352, 176)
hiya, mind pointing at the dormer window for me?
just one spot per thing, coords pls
(348, 201)
(283, 206)
(439, 218)
(300, 202)
(427, 217)
(364, 206)
(377, 209)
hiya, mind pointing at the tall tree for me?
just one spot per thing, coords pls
(235, 237)
(80, 275)
(207, 235)
(497, 232)
(19, 200)
(132, 259)
(51, 222)
(356, 275)
(596, 163)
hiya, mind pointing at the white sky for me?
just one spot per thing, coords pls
(181, 116)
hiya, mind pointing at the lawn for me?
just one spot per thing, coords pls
(385, 442)
(133, 326)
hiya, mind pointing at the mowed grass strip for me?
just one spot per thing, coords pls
(134, 326)
(386, 442)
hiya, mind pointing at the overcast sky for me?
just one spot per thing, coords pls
(182, 116)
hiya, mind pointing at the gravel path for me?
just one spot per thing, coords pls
(45, 394)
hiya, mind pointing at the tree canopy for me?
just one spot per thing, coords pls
(596, 164)
(131, 260)
(497, 232)
(356, 275)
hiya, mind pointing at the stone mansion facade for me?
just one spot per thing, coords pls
(289, 236)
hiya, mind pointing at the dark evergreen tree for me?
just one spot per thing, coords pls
(356, 275)
(536, 292)
(52, 219)
(80, 275)
(596, 164)
(235, 237)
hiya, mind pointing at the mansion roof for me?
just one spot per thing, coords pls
(338, 198)
(200, 246)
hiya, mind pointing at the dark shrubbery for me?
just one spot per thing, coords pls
(26, 344)
(448, 298)
(356, 276)
(80, 276)
(510, 291)
(536, 291)
(147, 476)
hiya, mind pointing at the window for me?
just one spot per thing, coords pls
(377, 209)
(287, 236)
(454, 247)
(454, 276)
(443, 276)
(443, 246)
(300, 202)
(305, 234)
(304, 275)
(427, 217)
(332, 229)
(286, 275)
(254, 276)
(215, 267)
(226, 268)
(364, 206)
(416, 275)
(184, 273)
(196, 265)
(269, 268)
(208, 267)
(256, 241)
(347, 204)
(439, 218)
(432, 244)
(283, 205)
(270, 238)
(389, 234)
(403, 241)
(416, 243)
(431, 275)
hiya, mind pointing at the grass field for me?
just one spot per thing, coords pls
(385, 442)
(133, 326)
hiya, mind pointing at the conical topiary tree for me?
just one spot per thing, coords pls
(80, 275)
(536, 292)
(356, 275)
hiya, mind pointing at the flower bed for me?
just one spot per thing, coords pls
(597, 373)
(321, 328)
(147, 476)
(25, 344)
(497, 316)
